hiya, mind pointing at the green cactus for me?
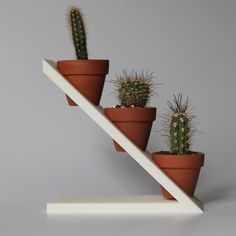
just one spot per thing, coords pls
(134, 90)
(78, 33)
(179, 134)
(179, 122)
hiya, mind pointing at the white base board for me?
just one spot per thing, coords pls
(146, 204)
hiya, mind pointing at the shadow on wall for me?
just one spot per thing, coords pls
(221, 194)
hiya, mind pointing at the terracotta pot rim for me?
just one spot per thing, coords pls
(167, 160)
(137, 114)
(130, 108)
(84, 60)
(168, 154)
(83, 67)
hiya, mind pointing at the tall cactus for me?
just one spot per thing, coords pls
(134, 90)
(179, 125)
(78, 33)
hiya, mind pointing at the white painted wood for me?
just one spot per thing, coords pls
(143, 158)
(148, 204)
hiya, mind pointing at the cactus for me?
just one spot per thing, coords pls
(178, 122)
(134, 90)
(179, 133)
(78, 33)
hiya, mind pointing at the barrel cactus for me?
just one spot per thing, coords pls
(178, 122)
(134, 89)
(78, 33)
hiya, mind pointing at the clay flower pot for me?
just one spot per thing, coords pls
(87, 76)
(135, 123)
(182, 169)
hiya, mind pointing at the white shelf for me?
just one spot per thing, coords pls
(183, 204)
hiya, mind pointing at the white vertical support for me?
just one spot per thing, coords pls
(143, 158)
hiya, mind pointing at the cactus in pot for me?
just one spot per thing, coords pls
(180, 163)
(132, 116)
(78, 32)
(134, 89)
(180, 123)
(86, 75)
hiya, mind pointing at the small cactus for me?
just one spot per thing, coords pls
(78, 33)
(179, 132)
(134, 90)
(178, 122)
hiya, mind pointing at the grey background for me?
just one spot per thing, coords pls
(48, 149)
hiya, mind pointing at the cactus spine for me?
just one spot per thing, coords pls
(78, 33)
(134, 90)
(179, 123)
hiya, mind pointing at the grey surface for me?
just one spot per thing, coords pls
(48, 149)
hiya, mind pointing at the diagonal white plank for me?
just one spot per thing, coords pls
(183, 204)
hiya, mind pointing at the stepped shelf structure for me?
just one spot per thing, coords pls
(145, 204)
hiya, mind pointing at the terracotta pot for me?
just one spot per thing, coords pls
(87, 76)
(135, 123)
(182, 169)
